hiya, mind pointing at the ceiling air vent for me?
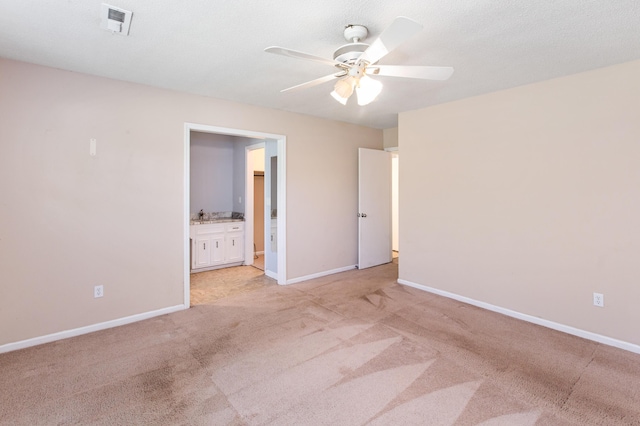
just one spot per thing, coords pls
(115, 19)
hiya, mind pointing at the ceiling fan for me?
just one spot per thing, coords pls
(357, 61)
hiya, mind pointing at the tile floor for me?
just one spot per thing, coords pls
(209, 286)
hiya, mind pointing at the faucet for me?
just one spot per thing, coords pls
(201, 214)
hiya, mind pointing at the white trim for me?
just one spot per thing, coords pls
(258, 253)
(282, 211)
(213, 268)
(529, 318)
(231, 132)
(88, 329)
(321, 274)
(392, 149)
(271, 275)
(186, 298)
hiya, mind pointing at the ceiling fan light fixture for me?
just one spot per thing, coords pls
(343, 89)
(367, 90)
(356, 61)
(344, 86)
(339, 98)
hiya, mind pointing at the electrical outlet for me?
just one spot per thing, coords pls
(598, 299)
(98, 291)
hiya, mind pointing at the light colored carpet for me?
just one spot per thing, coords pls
(347, 349)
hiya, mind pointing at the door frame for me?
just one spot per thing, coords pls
(282, 195)
(395, 199)
(373, 248)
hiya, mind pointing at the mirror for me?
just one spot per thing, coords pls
(274, 204)
(271, 207)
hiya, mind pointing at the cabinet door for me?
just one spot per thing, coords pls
(217, 249)
(202, 252)
(235, 251)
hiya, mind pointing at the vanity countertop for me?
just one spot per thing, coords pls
(221, 220)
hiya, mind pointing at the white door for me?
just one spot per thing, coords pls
(374, 207)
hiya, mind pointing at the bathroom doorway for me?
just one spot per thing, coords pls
(258, 219)
(263, 157)
(255, 209)
(274, 147)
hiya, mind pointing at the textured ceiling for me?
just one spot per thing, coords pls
(215, 48)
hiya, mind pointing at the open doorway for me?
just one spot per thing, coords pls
(264, 157)
(277, 145)
(256, 196)
(258, 219)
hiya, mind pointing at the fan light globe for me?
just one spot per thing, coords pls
(343, 89)
(367, 90)
(339, 98)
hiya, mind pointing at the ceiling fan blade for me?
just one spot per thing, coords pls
(299, 55)
(314, 82)
(426, 73)
(400, 30)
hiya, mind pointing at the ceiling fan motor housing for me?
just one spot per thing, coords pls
(349, 53)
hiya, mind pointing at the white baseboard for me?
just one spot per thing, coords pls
(271, 274)
(320, 274)
(87, 329)
(224, 265)
(258, 253)
(529, 318)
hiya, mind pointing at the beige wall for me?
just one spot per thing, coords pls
(70, 221)
(529, 199)
(390, 137)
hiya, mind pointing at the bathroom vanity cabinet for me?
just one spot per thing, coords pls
(216, 245)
